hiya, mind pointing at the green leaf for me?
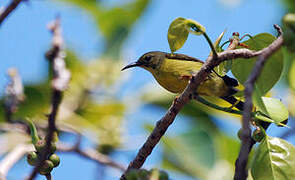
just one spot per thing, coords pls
(194, 27)
(289, 19)
(225, 66)
(179, 29)
(241, 68)
(177, 34)
(218, 40)
(257, 100)
(276, 109)
(292, 75)
(274, 159)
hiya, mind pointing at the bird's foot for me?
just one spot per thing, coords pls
(243, 45)
(185, 77)
(175, 100)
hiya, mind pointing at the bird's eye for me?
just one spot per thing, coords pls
(147, 58)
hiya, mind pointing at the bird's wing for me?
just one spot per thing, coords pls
(182, 57)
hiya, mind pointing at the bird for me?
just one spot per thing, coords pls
(173, 72)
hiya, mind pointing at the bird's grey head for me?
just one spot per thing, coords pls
(150, 60)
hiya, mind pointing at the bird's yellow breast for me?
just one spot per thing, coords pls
(173, 75)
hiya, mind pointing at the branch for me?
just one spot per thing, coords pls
(12, 158)
(14, 94)
(241, 171)
(61, 78)
(48, 176)
(13, 4)
(163, 124)
(90, 154)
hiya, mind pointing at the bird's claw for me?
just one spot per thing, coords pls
(185, 77)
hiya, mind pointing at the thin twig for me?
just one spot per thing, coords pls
(163, 124)
(90, 154)
(48, 176)
(13, 4)
(241, 171)
(59, 83)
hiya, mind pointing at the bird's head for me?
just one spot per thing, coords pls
(149, 61)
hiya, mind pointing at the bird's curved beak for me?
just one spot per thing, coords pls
(134, 64)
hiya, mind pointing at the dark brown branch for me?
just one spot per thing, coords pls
(48, 176)
(61, 78)
(163, 124)
(241, 171)
(9, 9)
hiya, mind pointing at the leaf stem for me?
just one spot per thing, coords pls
(223, 44)
(211, 45)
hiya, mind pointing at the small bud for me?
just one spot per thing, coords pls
(54, 137)
(46, 168)
(163, 175)
(132, 175)
(289, 19)
(258, 135)
(40, 145)
(239, 134)
(53, 147)
(54, 159)
(143, 174)
(105, 148)
(32, 158)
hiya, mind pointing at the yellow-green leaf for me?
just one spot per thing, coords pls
(292, 75)
(177, 34)
(241, 68)
(274, 160)
(257, 100)
(179, 29)
(289, 19)
(194, 27)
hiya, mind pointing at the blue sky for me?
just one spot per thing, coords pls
(24, 39)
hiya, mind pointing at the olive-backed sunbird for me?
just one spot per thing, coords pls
(173, 72)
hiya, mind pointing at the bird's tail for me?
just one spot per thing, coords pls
(235, 102)
(240, 106)
(232, 83)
